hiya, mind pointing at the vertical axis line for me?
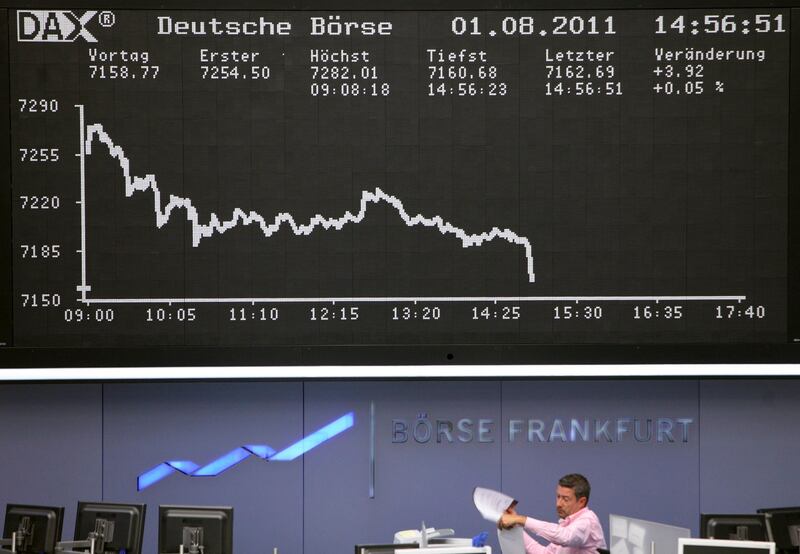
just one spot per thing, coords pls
(83, 288)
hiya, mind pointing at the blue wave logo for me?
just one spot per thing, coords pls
(227, 461)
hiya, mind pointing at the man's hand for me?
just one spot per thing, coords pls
(510, 519)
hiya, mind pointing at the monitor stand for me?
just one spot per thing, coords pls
(95, 542)
(12, 542)
(17, 537)
(69, 547)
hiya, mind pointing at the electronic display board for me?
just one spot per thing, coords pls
(398, 183)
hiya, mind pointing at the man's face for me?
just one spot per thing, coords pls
(566, 502)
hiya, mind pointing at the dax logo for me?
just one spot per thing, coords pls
(54, 26)
(230, 459)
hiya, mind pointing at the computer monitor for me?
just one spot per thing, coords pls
(738, 527)
(37, 528)
(638, 536)
(113, 528)
(783, 527)
(209, 527)
(715, 546)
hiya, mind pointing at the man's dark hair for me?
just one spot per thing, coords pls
(578, 483)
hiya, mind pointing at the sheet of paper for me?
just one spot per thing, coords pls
(636, 535)
(491, 504)
(619, 527)
(511, 541)
(619, 546)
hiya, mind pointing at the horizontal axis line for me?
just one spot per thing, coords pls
(379, 299)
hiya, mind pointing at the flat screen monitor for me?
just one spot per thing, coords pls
(637, 536)
(122, 525)
(715, 546)
(783, 527)
(38, 528)
(391, 183)
(742, 527)
(209, 527)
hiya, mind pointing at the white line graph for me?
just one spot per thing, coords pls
(200, 230)
(148, 182)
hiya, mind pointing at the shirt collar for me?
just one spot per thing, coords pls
(569, 519)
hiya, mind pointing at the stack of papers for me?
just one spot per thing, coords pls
(492, 505)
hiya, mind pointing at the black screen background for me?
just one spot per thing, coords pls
(630, 195)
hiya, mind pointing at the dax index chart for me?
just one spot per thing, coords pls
(398, 177)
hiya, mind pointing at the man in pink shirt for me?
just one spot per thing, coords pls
(578, 530)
